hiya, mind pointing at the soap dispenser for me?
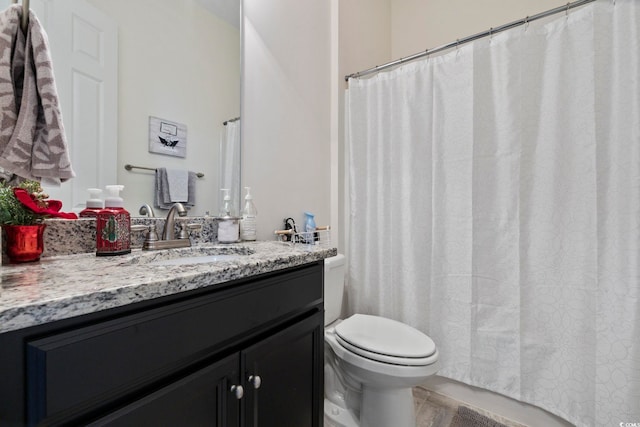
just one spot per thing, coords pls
(309, 228)
(94, 204)
(226, 210)
(113, 225)
(228, 224)
(248, 226)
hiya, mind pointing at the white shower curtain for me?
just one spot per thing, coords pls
(229, 168)
(495, 205)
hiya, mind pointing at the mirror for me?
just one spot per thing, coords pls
(178, 61)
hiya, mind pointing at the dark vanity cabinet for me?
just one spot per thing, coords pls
(243, 353)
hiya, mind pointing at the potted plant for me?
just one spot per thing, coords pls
(23, 209)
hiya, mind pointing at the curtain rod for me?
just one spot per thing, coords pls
(468, 39)
(231, 121)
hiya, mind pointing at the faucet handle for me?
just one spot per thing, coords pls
(185, 228)
(137, 229)
(183, 234)
(152, 234)
(194, 226)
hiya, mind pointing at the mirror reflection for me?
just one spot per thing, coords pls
(119, 63)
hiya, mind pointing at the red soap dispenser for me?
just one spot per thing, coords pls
(113, 225)
(94, 204)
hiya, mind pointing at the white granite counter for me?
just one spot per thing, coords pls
(62, 287)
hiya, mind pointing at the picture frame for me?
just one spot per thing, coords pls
(167, 137)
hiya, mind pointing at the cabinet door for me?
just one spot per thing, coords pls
(139, 349)
(203, 398)
(283, 379)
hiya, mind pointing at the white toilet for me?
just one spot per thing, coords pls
(371, 363)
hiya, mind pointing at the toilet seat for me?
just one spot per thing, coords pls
(385, 340)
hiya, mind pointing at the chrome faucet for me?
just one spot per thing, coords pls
(168, 240)
(168, 232)
(147, 210)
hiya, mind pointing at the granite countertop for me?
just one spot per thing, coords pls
(62, 287)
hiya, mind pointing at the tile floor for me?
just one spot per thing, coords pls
(436, 410)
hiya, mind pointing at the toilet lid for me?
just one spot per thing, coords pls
(384, 339)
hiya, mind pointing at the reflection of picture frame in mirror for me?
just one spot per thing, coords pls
(167, 137)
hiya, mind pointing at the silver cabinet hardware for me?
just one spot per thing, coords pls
(238, 391)
(255, 380)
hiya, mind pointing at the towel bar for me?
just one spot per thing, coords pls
(129, 167)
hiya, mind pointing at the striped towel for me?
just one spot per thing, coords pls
(32, 139)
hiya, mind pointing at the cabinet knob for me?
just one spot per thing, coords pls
(255, 380)
(238, 391)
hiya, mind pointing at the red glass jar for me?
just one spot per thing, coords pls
(25, 243)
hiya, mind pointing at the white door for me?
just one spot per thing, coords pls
(84, 50)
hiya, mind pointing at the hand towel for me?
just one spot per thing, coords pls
(191, 200)
(161, 193)
(178, 185)
(32, 139)
(158, 196)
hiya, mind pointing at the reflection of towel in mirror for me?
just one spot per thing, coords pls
(171, 187)
(177, 185)
(32, 139)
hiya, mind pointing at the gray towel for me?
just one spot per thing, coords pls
(162, 195)
(191, 200)
(32, 139)
(178, 179)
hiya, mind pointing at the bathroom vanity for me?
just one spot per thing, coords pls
(236, 342)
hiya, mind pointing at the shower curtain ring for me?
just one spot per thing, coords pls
(491, 33)
(526, 23)
(566, 12)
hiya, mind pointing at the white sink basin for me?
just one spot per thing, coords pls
(190, 255)
(203, 259)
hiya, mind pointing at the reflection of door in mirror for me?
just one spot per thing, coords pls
(178, 60)
(84, 45)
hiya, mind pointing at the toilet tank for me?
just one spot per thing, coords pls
(334, 269)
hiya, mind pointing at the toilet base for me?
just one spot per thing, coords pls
(380, 408)
(387, 407)
(337, 416)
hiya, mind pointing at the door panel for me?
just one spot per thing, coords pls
(200, 399)
(289, 365)
(84, 51)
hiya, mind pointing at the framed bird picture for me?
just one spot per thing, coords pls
(167, 137)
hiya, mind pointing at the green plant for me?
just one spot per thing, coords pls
(12, 212)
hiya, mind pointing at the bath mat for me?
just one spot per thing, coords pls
(466, 417)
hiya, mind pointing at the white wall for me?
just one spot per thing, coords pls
(180, 63)
(286, 110)
(364, 40)
(417, 25)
